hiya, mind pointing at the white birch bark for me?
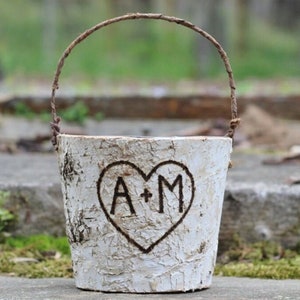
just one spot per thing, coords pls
(143, 214)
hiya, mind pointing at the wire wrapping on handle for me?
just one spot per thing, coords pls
(55, 124)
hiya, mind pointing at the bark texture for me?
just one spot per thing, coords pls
(143, 214)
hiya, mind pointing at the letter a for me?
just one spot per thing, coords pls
(118, 194)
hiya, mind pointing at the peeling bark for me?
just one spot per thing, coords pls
(143, 214)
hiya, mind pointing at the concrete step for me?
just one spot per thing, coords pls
(223, 288)
(259, 204)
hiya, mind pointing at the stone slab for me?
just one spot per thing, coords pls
(12, 129)
(223, 288)
(259, 203)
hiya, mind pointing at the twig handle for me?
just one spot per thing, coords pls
(56, 119)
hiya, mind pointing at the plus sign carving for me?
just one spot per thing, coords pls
(159, 199)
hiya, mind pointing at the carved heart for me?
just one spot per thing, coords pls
(145, 208)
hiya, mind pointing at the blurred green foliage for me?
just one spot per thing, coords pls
(52, 259)
(39, 243)
(50, 256)
(6, 217)
(32, 40)
(22, 110)
(269, 53)
(76, 113)
(260, 260)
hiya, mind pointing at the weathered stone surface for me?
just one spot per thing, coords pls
(259, 204)
(34, 193)
(38, 209)
(223, 288)
(13, 129)
(257, 213)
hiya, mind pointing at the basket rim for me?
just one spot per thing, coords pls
(143, 138)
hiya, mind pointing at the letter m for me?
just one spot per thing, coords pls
(161, 182)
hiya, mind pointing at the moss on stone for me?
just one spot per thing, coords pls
(260, 260)
(47, 256)
(36, 257)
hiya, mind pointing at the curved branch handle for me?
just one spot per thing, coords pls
(56, 119)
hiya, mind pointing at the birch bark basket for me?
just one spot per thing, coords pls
(143, 214)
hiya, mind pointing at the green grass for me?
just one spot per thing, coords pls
(76, 113)
(269, 269)
(39, 243)
(150, 50)
(270, 53)
(6, 217)
(119, 51)
(43, 268)
(260, 260)
(52, 259)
